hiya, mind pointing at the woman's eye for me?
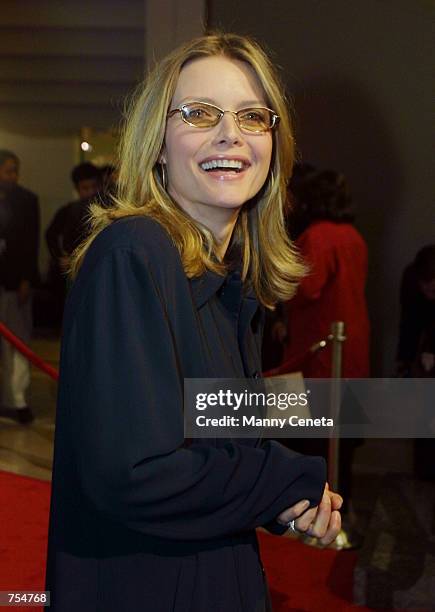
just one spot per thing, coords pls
(253, 116)
(197, 112)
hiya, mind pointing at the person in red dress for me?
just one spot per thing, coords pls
(334, 287)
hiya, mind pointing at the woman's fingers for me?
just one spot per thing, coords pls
(293, 512)
(333, 529)
(303, 523)
(319, 526)
(336, 499)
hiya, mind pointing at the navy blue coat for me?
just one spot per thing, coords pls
(141, 520)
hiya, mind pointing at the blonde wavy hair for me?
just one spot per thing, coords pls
(270, 262)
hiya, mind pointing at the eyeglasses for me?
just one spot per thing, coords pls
(205, 115)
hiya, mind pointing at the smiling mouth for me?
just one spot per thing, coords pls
(224, 165)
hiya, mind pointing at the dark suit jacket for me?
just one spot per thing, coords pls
(19, 236)
(141, 520)
(68, 228)
(417, 316)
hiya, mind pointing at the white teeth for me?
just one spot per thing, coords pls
(222, 163)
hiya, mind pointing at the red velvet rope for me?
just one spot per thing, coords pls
(27, 352)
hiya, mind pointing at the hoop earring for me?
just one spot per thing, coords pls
(164, 176)
(272, 179)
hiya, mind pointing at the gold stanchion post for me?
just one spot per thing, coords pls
(344, 539)
(337, 337)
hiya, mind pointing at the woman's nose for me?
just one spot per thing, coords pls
(228, 130)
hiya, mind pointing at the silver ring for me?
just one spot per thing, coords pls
(291, 526)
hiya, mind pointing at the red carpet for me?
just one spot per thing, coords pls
(305, 579)
(302, 579)
(24, 507)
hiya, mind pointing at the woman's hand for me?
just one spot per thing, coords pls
(322, 521)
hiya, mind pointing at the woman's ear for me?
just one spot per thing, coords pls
(162, 156)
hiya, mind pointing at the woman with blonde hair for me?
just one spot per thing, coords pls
(171, 284)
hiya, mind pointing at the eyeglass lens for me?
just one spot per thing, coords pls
(204, 115)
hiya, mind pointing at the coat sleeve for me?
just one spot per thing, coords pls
(125, 415)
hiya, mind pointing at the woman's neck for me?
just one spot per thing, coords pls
(223, 237)
(220, 220)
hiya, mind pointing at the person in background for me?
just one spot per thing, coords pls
(67, 229)
(416, 346)
(19, 242)
(87, 180)
(68, 226)
(334, 287)
(108, 179)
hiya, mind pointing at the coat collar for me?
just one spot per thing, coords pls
(209, 283)
(205, 286)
